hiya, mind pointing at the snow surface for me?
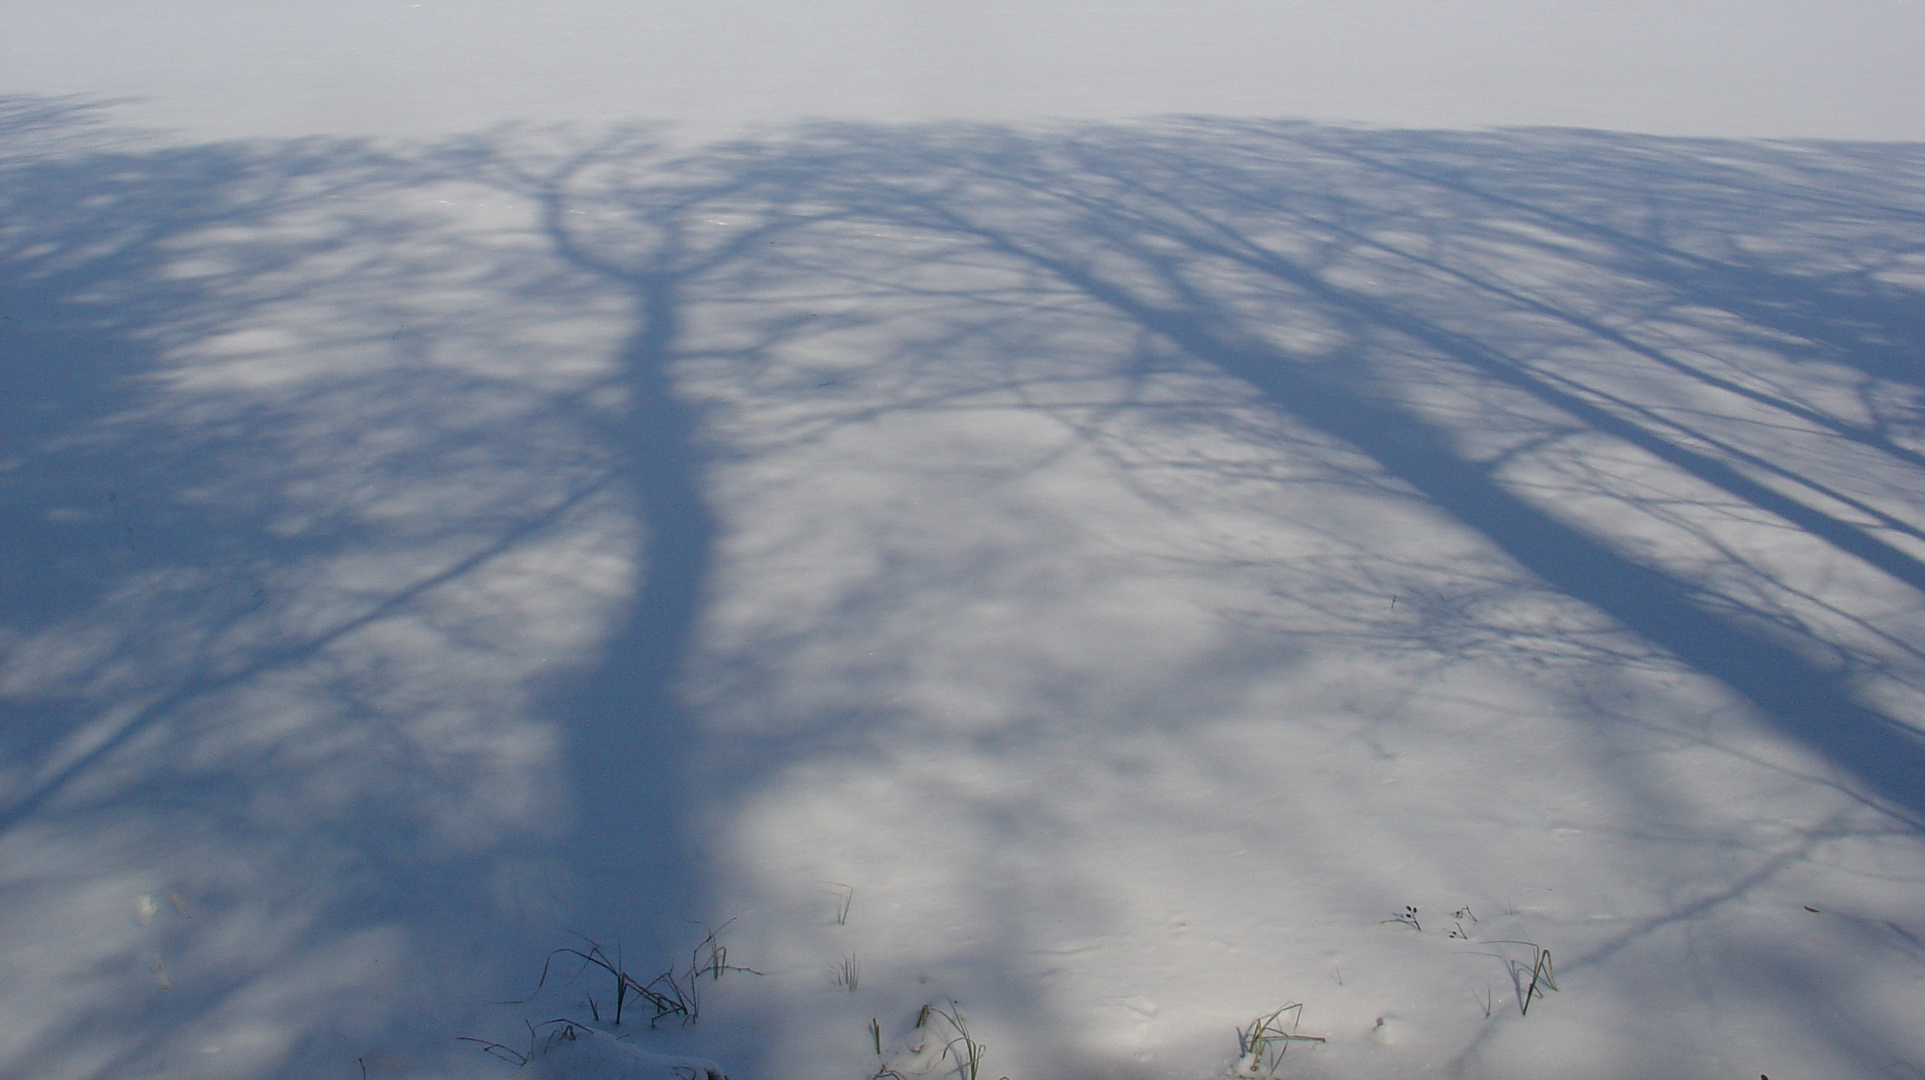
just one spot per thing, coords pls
(588, 1054)
(229, 68)
(1047, 594)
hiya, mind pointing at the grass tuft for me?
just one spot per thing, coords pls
(939, 1036)
(559, 1031)
(493, 1049)
(845, 896)
(1261, 1046)
(849, 976)
(673, 993)
(884, 1071)
(1530, 981)
(1408, 917)
(969, 1058)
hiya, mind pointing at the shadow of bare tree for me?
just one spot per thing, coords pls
(422, 552)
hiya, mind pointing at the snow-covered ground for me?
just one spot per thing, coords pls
(225, 68)
(985, 596)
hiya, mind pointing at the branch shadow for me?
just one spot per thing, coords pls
(421, 552)
(1497, 357)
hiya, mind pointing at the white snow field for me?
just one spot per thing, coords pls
(672, 587)
(1846, 69)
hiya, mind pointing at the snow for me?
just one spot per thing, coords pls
(589, 1054)
(236, 68)
(983, 597)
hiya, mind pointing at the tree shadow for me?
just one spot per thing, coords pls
(293, 543)
(1499, 357)
(423, 552)
(1136, 222)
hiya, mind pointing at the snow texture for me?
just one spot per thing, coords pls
(1147, 600)
(588, 1054)
(414, 68)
